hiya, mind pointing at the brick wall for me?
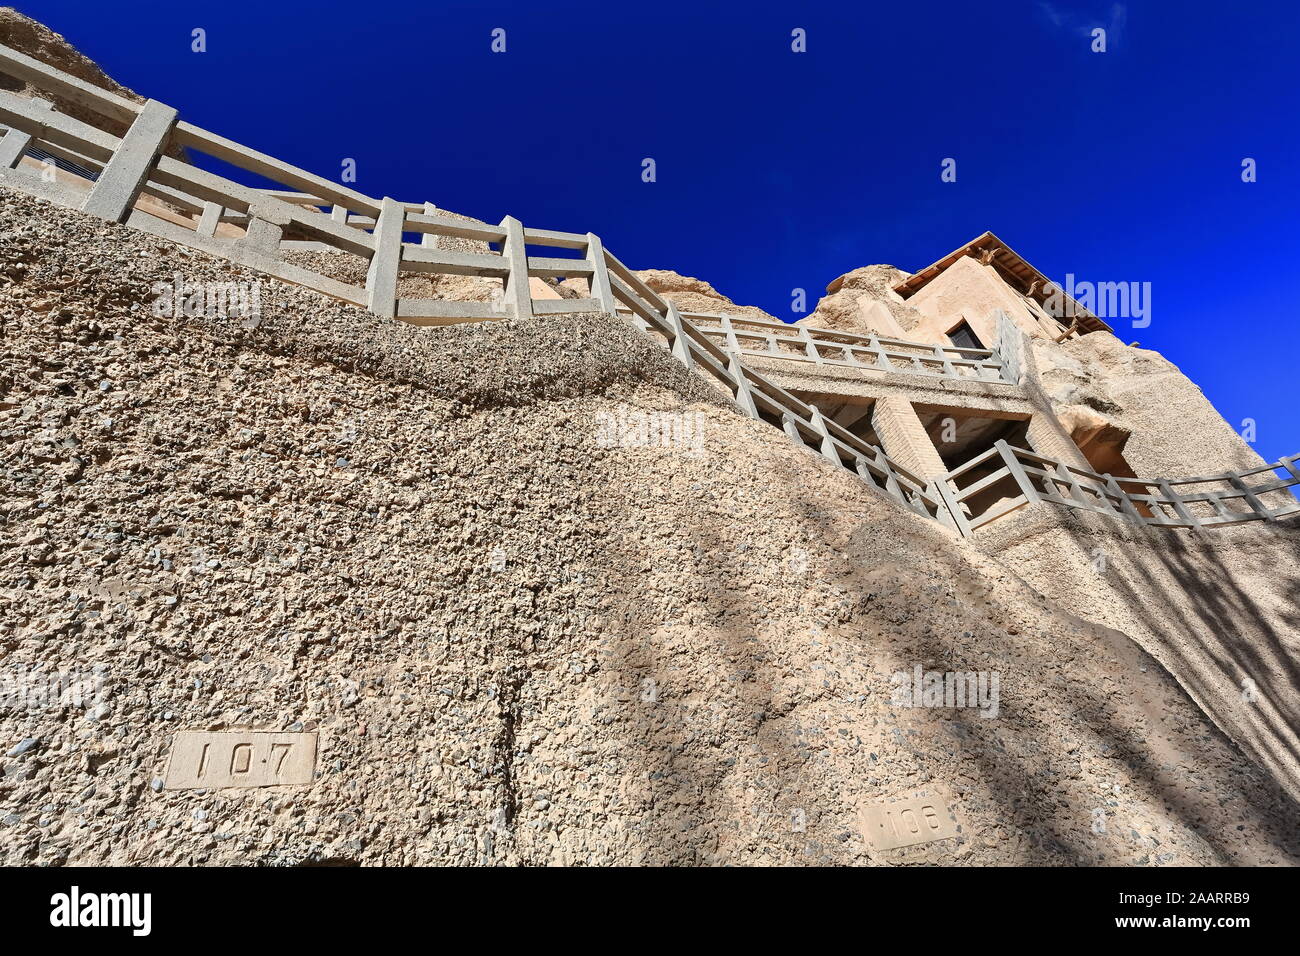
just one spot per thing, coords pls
(904, 437)
(1049, 439)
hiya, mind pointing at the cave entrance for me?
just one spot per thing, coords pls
(962, 434)
(1102, 443)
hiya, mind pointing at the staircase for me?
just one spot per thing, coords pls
(137, 179)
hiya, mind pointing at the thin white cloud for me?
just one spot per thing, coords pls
(1082, 24)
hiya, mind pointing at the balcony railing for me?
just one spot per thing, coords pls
(1006, 478)
(768, 339)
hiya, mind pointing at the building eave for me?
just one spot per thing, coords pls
(1021, 275)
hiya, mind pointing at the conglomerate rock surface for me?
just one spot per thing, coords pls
(695, 295)
(859, 297)
(39, 41)
(1097, 382)
(545, 597)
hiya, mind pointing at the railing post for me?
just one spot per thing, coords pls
(1017, 471)
(744, 398)
(1180, 508)
(1290, 465)
(386, 262)
(1125, 502)
(893, 488)
(210, 219)
(339, 214)
(943, 490)
(681, 347)
(518, 298)
(428, 239)
(828, 444)
(118, 186)
(1076, 489)
(1104, 492)
(882, 360)
(12, 147)
(791, 429)
(891, 480)
(1220, 509)
(942, 356)
(733, 343)
(1256, 505)
(15, 142)
(809, 346)
(266, 222)
(601, 290)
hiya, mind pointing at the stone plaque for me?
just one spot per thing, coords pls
(239, 759)
(904, 821)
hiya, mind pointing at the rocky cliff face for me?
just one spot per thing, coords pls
(1097, 383)
(39, 41)
(543, 595)
(696, 295)
(864, 301)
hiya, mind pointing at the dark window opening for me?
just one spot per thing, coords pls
(963, 336)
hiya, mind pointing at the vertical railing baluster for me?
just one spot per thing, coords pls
(827, 444)
(809, 346)
(1125, 502)
(1017, 471)
(744, 398)
(891, 480)
(681, 345)
(882, 359)
(14, 145)
(1261, 510)
(209, 219)
(1076, 489)
(266, 222)
(601, 290)
(429, 240)
(790, 428)
(518, 297)
(945, 361)
(1180, 507)
(386, 260)
(733, 343)
(119, 183)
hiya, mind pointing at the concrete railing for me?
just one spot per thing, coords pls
(769, 339)
(119, 172)
(760, 398)
(1006, 478)
(329, 216)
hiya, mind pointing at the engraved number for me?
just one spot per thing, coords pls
(279, 764)
(241, 758)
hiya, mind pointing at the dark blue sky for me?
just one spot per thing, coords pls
(779, 170)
